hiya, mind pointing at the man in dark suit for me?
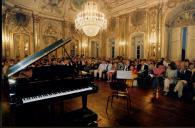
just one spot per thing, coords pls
(143, 77)
(184, 76)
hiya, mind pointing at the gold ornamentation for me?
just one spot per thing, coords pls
(138, 17)
(50, 31)
(36, 18)
(184, 19)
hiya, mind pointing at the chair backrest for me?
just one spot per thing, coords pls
(118, 86)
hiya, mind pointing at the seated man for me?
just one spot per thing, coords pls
(101, 68)
(143, 77)
(184, 76)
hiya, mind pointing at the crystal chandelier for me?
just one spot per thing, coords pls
(90, 20)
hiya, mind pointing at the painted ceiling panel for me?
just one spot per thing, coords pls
(69, 8)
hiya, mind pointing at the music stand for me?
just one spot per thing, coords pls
(119, 88)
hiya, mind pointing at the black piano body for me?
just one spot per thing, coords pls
(48, 84)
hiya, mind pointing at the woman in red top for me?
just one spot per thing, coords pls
(158, 73)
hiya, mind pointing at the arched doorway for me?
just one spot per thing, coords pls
(180, 31)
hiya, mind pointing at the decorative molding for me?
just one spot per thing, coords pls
(185, 18)
(50, 30)
(138, 17)
(36, 18)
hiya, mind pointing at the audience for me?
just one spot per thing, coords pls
(180, 74)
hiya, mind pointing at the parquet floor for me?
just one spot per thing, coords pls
(166, 112)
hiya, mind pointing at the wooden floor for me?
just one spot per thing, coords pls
(166, 112)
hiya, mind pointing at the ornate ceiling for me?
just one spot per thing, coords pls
(61, 9)
(120, 7)
(67, 9)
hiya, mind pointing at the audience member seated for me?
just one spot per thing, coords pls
(170, 77)
(120, 65)
(101, 68)
(143, 78)
(127, 65)
(158, 74)
(193, 84)
(111, 72)
(184, 76)
(108, 67)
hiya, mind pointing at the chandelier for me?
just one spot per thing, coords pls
(90, 20)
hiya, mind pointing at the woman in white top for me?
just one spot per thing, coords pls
(111, 72)
(171, 77)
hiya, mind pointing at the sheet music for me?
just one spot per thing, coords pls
(124, 75)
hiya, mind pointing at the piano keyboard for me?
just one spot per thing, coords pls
(52, 95)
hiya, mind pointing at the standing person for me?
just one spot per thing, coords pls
(170, 77)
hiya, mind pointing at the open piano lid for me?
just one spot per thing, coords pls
(38, 55)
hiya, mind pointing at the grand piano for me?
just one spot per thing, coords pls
(47, 85)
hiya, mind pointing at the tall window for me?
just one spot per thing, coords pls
(184, 42)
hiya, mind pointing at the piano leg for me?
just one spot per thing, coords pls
(84, 102)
